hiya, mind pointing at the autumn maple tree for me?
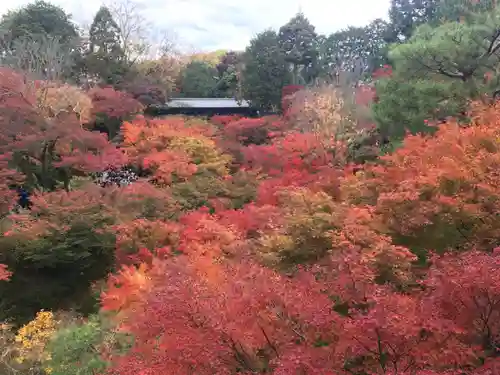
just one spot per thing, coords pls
(110, 107)
(321, 273)
(441, 192)
(54, 146)
(68, 238)
(249, 245)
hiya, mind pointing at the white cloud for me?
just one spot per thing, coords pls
(230, 24)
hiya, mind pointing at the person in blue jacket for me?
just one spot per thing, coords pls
(24, 200)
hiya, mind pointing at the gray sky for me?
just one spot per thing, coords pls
(206, 25)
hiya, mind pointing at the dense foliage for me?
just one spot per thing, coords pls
(311, 242)
(325, 271)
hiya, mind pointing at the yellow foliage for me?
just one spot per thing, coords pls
(34, 336)
(322, 110)
(273, 246)
(203, 152)
(304, 232)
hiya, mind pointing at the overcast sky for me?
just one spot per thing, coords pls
(207, 25)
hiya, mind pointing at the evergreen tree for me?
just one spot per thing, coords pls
(356, 51)
(298, 39)
(407, 15)
(40, 39)
(265, 71)
(199, 80)
(458, 10)
(38, 19)
(228, 71)
(105, 58)
(438, 71)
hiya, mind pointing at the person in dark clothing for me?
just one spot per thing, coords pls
(24, 200)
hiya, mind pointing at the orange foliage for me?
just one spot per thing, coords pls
(126, 289)
(171, 149)
(442, 191)
(359, 306)
(318, 275)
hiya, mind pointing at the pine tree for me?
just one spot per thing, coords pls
(106, 57)
(298, 39)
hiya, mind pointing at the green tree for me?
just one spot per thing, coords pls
(438, 70)
(298, 39)
(356, 50)
(199, 80)
(77, 348)
(457, 53)
(55, 267)
(40, 39)
(407, 105)
(376, 46)
(105, 57)
(38, 18)
(458, 10)
(229, 74)
(265, 71)
(406, 15)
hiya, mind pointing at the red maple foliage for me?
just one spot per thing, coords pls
(361, 308)
(466, 289)
(222, 120)
(216, 327)
(254, 130)
(112, 103)
(382, 72)
(8, 177)
(61, 143)
(41, 148)
(4, 273)
(18, 114)
(364, 95)
(214, 314)
(297, 159)
(344, 293)
(236, 133)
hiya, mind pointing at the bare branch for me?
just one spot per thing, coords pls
(39, 56)
(133, 27)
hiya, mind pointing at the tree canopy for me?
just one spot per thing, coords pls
(355, 231)
(407, 15)
(298, 41)
(438, 70)
(265, 70)
(38, 18)
(199, 80)
(105, 56)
